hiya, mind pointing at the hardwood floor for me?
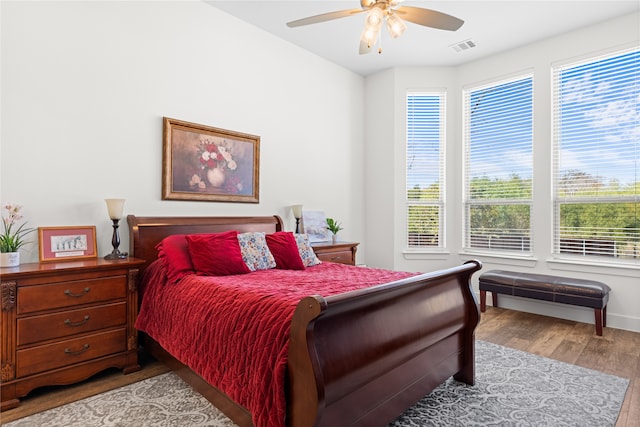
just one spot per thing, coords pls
(617, 352)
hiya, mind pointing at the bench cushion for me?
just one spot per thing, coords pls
(586, 293)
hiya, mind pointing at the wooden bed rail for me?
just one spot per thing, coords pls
(363, 357)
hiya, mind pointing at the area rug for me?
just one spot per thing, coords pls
(513, 388)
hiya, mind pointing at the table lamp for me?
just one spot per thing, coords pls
(297, 214)
(115, 208)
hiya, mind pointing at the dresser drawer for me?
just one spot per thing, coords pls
(71, 322)
(342, 257)
(67, 294)
(338, 252)
(56, 355)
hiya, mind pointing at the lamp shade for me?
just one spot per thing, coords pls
(297, 211)
(372, 27)
(115, 208)
(395, 26)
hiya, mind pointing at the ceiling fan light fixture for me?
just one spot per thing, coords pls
(370, 35)
(374, 17)
(395, 25)
(373, 22)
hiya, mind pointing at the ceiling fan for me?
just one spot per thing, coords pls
(390, 12)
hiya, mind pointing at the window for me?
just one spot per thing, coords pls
(425, 169)
(498, 142)
(597, 157)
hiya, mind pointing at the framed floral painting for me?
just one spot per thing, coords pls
(209, 164)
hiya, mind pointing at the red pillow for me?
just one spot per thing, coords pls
(284, 249)
(216, 254)
(174, 253)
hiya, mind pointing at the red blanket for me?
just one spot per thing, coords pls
(234, 330)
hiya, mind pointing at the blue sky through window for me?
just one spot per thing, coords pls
(598, 118)
(424, 137)
(500, 132)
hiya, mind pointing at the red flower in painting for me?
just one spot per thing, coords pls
(209, 155)
(216, 166)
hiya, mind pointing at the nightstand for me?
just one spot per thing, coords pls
(340, 252)
(63, 322)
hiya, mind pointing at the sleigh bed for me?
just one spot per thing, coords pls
(360, 357)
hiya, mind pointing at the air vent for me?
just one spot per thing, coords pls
(462, 46)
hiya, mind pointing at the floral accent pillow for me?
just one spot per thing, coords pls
(255, 252)
(307, 254)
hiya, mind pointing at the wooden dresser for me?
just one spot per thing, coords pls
(341, 252)
(65, 321)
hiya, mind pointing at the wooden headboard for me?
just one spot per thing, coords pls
(145, 232)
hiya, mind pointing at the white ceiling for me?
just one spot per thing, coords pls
(494, 26)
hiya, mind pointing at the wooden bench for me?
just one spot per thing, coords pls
(565, 290)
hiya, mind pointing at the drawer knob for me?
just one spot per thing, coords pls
(82, 322)
(82, 350)
(71, 294)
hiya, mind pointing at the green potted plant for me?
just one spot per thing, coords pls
(334, 227)
(12, 237)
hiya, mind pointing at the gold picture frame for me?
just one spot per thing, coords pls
(205, 163)
(68, 243)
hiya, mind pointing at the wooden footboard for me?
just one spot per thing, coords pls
(363, 357)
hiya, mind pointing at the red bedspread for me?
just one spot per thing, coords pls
(234, 330)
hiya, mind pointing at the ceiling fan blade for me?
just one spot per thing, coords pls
(324, 17)
(429, 18)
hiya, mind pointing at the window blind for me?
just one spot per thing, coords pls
(498, 165)
(596, 118)
(425, 169)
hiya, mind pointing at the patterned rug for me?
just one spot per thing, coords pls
(513, 388)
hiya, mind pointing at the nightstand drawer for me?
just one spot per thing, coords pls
(68, 294)
(66, 323)
(56, 355)
(342, 257)
(338, 252)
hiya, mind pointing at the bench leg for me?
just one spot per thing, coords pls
(600, 320)
(483, 300)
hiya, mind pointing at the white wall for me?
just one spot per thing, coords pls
(623, 310)
(85, 86)
(380, 160)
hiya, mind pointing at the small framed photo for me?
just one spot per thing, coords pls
(314, 224)
(67, 243)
